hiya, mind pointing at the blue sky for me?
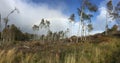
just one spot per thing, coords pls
(69, 6)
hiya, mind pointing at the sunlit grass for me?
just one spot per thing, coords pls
(73, 53)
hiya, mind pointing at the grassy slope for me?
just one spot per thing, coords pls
(107, 51)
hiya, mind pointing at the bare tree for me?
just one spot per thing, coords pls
(0, 27)
(48, 29)
(42, 24)
(72, 18)
(0, 30)
(108, 15)
(71, 22)
(6, 18)
(90, 28)
(117, 16)
(35, 28)
(86, 5)
(0, 22)
(50, 35)
(66, 32)
(113, 12)
(45, 24)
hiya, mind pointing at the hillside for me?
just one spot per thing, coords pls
(59, 31)
(101, 49)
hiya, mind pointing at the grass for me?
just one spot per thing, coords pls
(104, 52)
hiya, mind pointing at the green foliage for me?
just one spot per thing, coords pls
(72, 18)
(114, 11)
(114, 28)
(109, 6)
(13, 33)
(90, 6)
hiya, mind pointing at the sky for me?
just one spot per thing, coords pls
(56, 11)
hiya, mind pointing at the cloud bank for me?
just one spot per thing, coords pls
(100, 21)
(31, 14)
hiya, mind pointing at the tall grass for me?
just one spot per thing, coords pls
(105, 52)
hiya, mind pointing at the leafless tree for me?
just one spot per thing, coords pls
(45, 24)
(86, 5)
(6, 19)
(108, 15)
(35, 28)
(113, 12)
(71, 22)
(0, 26)
(90, 28)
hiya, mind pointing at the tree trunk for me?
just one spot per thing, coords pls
(0, 22)
(79, 26)
(0, 28)
(106, 27)
(80, 22)
(85, 38)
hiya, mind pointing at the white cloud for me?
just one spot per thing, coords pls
(32, 14)
(99, 23)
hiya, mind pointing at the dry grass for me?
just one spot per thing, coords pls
(73, 53)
